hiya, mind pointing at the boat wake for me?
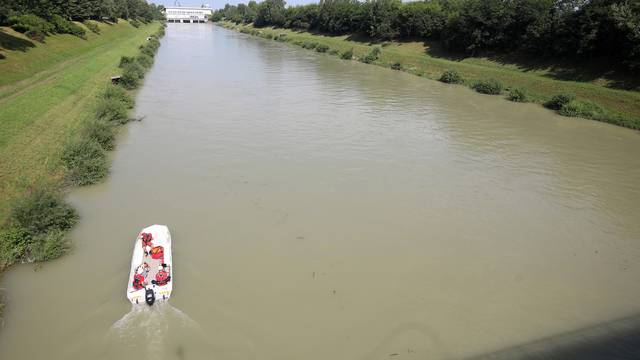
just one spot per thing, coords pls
(155, 330)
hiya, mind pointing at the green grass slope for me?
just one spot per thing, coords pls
(47, 90)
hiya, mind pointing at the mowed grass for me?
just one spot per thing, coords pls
(47, 92)
(414, 57)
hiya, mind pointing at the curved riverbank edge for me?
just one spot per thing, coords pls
(39, 218)
(567, 98)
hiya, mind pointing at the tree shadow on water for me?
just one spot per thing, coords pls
(10, 42)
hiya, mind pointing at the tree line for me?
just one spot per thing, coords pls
(80, 10)
(548, 28)
(39, 18)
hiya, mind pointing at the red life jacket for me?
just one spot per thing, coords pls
(138, 281)
(157, 253)
(162, 278)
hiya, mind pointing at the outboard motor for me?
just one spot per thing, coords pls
(149, 296)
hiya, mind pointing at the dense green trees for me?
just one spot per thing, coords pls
(38, 18)
(339, 16)
(556, 28)
(79, 10)
(270, 12)
(421, 19)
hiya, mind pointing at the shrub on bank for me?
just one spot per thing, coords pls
(129, 80)
(309, 44)
(42, 210)
(559, 100)
(582, 108)
(153, 43)
(14, 244)
(125, 60)
(35, 34)
(37, 28)
(49, 246)
(36, 225)
(517, 95)
(135, 69)
(160, 33)
(371, 56)
(347, 55)
(490, 87)
(23, 23)
(92, 26)
(102, 132)
(144, 60)
(113, 111)
(621, 120)
(322, 48)
(590, 110)
(396, 66)
(135, 23)
(86, 162)
(147, 50)
(451, 77)
(151, 47)
(17, 245)
(64, 26)
(131, 75)
(117, 93)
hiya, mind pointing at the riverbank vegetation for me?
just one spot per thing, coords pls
(59, 116)
(588, 49)
(38, 19)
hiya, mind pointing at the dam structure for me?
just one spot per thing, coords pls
(185, 14)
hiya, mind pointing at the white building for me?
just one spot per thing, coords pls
(183, 14)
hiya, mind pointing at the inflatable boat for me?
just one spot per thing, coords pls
(151, 276)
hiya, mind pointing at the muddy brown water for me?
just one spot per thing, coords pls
(324, 209)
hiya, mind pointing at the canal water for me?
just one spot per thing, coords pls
(325, 209)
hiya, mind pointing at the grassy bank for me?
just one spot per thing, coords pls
(59, 115)
(596, 98)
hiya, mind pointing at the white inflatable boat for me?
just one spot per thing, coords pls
(151, 276)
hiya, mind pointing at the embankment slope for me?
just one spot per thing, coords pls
(47, 90)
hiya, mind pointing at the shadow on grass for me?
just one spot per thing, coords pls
(437, 50)
(579, 70)
(362, 38)
(587, 71)
(10, 42)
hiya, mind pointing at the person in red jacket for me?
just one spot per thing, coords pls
(146, 240)
(162, 276)
(141, 273)
(138, 281)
